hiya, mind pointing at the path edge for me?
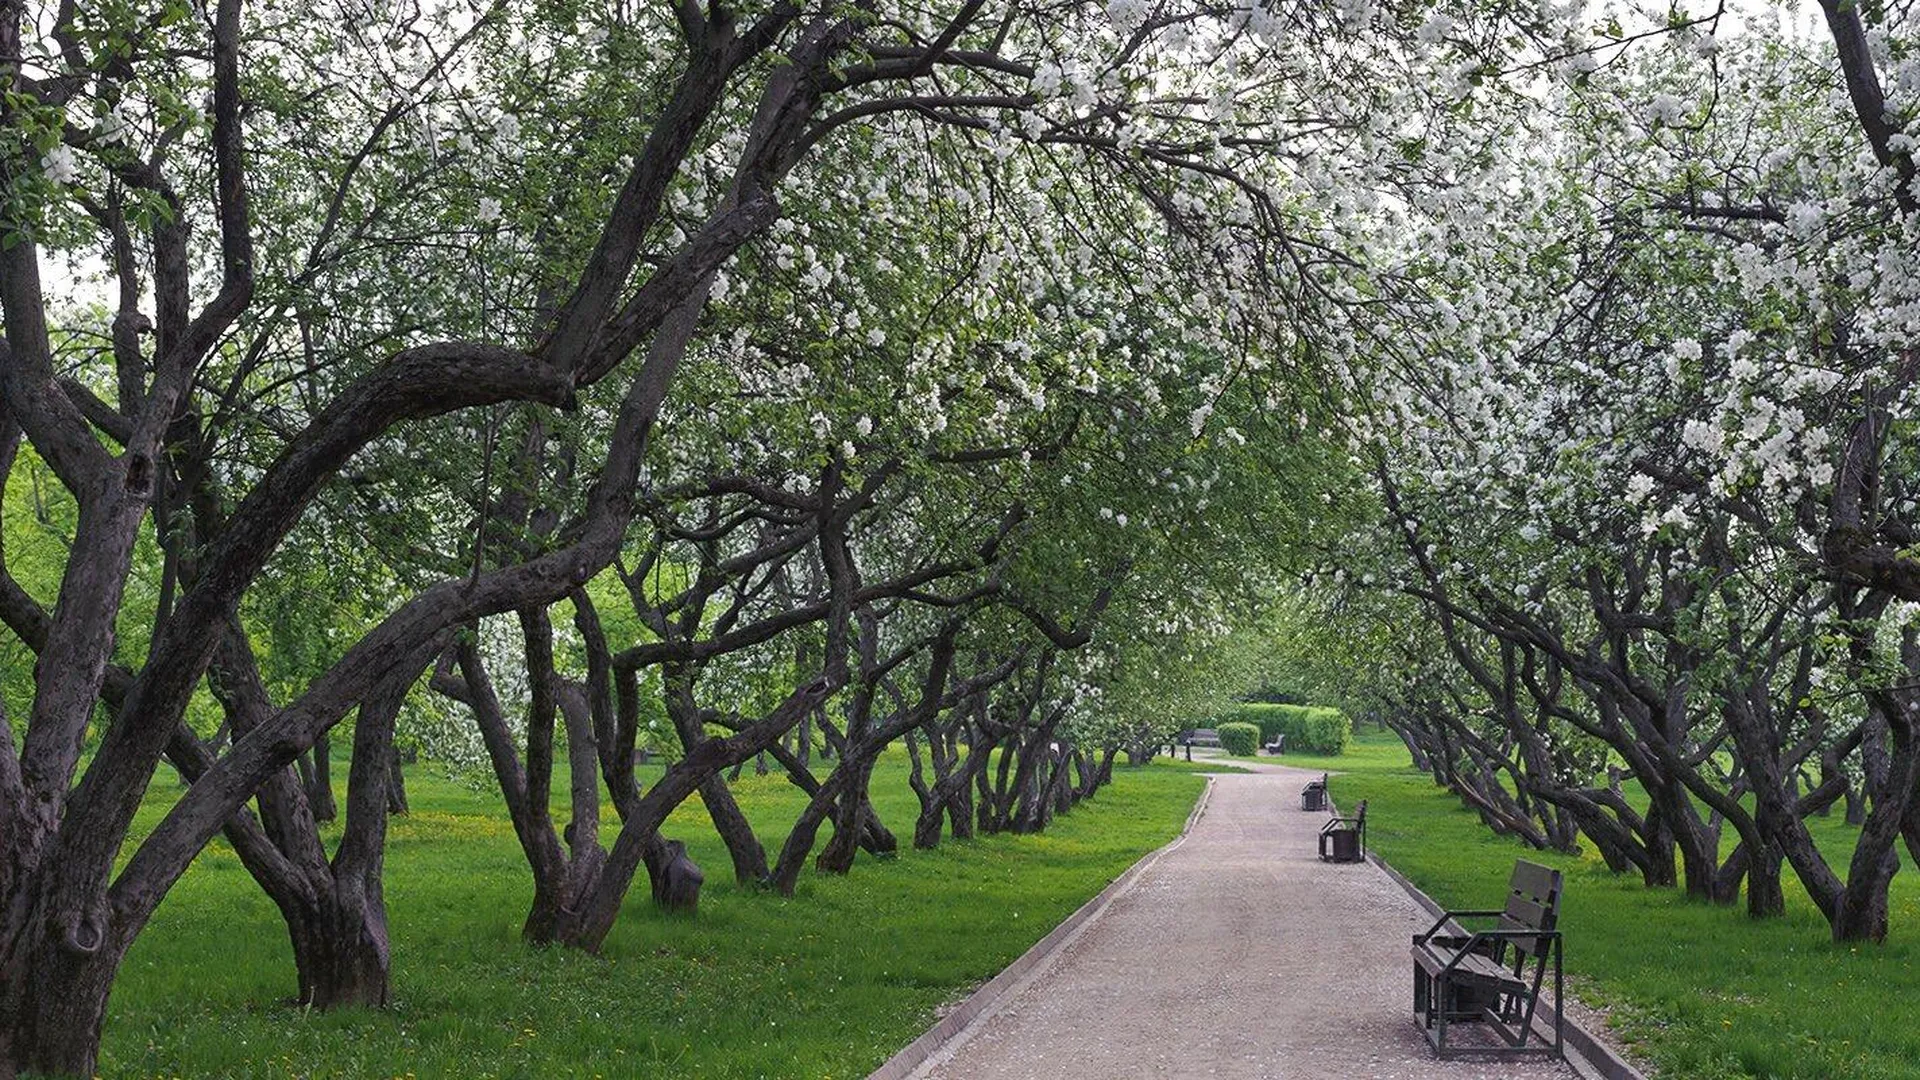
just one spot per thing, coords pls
(1011, 979)
(1600, 1058)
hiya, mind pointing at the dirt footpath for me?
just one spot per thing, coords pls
(1237, 954)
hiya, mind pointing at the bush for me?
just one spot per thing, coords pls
(1310, 729)
(1241, 739)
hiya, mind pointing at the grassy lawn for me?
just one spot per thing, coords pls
(825, 985)
(1702, 992)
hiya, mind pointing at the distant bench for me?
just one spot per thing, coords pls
(1314, 795)
(1205, 736)
(1493, 976)
(1277, 745)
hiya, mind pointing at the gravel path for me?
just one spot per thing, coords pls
(1238, 954)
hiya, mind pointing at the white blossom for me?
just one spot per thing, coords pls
(1666, 109)
(1436, 28)
(1047, 80)
(58, 165)
(1128, 15)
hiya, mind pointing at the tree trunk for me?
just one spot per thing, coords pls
(1415, 749)
(341, 952)
(952, 798)
(793, 853)
(1063, 789)
(925, 835)
(849, 813)
(996, 798)
(926, 826)
(1660, 870)
(960, 815)
(53, 993)
(1862, 911)
(749, 856)
(340, 944)
(396, 786)
(875, 838)
(317, 770)
(1727, 879)
(1765, 898)
(786, 869)
(743, 847)
(522, 787)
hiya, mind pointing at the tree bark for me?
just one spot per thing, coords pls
(743, 846)
(749, 857)
(396, 786)
(318, 769)
(852, 812)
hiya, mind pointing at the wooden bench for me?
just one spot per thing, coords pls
(1205, 736)
(1277, 745)
(1344, 839)
(1314, 795)
(1494, 976)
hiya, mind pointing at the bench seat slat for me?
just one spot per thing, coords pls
(1475, 966)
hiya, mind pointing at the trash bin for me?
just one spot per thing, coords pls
(1343, 845)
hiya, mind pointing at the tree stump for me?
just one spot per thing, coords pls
(676, 878)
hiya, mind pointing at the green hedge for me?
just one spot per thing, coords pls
(1310, 729)
(1242, 739)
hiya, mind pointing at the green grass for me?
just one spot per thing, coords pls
(1701, 992)
(827, 984)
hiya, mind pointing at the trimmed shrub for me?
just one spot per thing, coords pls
(1310, 729)
(1241, 739)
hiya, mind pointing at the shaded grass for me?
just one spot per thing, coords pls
(827, 984)
(1700, 991)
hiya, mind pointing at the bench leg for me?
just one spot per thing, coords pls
(1559, 1006)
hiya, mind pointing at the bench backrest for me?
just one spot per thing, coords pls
(1533, 903)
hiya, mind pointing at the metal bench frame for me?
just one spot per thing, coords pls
(1314, 795)
(1494, 976)
(1331, 832)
